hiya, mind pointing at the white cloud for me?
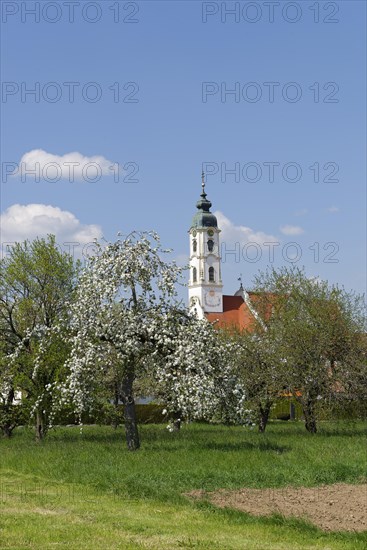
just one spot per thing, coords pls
(333, 209)
(71, 166)
(291, 230)
(232, 233)
(20, 222)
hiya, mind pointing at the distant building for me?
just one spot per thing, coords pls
(205, 285)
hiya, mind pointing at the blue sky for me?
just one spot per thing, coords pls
(173, 127)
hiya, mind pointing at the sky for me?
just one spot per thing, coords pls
(132, 100)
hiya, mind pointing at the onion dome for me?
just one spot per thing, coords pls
(203, 217)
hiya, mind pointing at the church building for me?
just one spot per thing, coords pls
(205, 285)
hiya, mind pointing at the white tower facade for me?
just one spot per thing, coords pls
(205, 285)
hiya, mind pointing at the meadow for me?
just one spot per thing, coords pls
(85, 490)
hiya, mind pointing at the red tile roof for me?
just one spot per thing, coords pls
(235, 314)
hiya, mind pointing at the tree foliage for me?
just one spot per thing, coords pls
(36, 282)
(321, 331)
(259, 367)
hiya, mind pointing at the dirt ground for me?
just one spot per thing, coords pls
(338, 507)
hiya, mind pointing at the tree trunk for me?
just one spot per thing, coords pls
(310, 417)
(40, 426)
(264, 412)
(7, 429)
(131, 427)
(176, 422)
(177, 425)
(115, 421)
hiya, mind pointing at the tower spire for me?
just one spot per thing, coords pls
(205, 286)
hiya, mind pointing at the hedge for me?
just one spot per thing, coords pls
(105, 413)
(334, 408)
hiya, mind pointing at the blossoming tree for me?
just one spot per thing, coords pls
(127, 320)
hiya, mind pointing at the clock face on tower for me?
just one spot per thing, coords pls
(212, 298)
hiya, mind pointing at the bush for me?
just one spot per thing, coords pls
(335, 408)
(281, 409)
(107, 414)
(342, 408)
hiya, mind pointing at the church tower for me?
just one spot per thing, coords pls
(205, 285)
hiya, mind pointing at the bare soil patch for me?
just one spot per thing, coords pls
(339, 507)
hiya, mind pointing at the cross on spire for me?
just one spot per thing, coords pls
(203, 181)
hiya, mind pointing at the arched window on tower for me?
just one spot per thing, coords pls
(194, 275)
(211, 274)
(210, 245)
(194, 245)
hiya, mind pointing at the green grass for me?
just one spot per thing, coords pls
(87, 491)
